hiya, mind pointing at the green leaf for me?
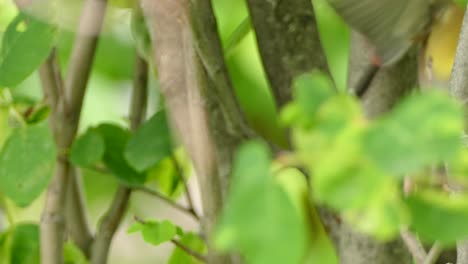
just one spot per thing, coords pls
(150, 144)
(38, 115)
(155, 232)
(439, 216)
(115, 139)
(122, 3)
(193, 242)
(73, 255)
(26, 163)
(257, 212)
(422, 130)
(311, 91)
(25, 244)
(24, 50)
(239, 34)
(167, 178)
(88, 149)
(140, 34)
(319, 246)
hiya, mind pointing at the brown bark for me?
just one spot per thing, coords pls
(288, 42)
(198, 96)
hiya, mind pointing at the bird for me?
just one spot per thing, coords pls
(392, 27)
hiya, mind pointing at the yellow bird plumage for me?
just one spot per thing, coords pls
(393, 26)
(439, 52)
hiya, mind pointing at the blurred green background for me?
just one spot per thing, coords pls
(108, 95)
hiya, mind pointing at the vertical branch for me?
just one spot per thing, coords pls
(459, 89)
(288, 42)
(198, 95)
(65, 116)
(52, 86)
(113, 217)
(76, 215)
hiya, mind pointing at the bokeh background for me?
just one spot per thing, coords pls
(108, 96)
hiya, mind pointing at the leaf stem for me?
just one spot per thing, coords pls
(160, 196)
(188, 194)
(189, 251)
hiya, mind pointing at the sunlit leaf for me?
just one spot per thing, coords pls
(257, 211)
(319, 246)
(73, 255)
(193, 242)
(422, 130)
(26, 163)
(439, 216)
(25, 244)
(155, 232)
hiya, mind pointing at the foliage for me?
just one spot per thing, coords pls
(338, 158)
(358, 165)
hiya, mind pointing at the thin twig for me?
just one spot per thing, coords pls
(188, 194)
(112, 218)
(365, 80)
(167, 200)
(64, 122)
(433, 254)
(414, 246)
(189, 251)
(177, 243)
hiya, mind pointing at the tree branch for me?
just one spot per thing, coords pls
(168, 201)
(433, 254)
(188, 194)
(52, 86)
(189, 250)
(288, 42)
(197, 92)
(65, 118)
(112, 218)
(414, 246)
(108, 225)
(76, 214)
(459, 89)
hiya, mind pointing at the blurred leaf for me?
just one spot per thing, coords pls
(439, 216)
(122, 3)
(319, 246)
(343, 177)
(193, 242)
(38, 115)
(257, 211)
(140, 34)
(167, 178)
(334, 35)
(150, 144)
(23, 51)
(383, 215)
(237, 36)
(422, 130)
(5, 246)
(311, 91)
(25, 244)
(461, 3)
(155, 232)
(73, 255)
(115, 139)
(88, 149)
(26, 163)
